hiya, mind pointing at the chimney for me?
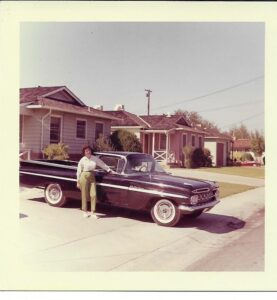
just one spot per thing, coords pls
(119, 107)
(98, 106)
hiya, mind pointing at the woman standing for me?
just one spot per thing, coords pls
(86, 180)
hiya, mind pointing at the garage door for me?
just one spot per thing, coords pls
(219, 154)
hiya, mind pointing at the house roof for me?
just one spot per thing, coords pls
(164, 122)
(217, 135)
(32, 94)
(57, 98)
(240, 144)
(152, 122)
(126, 119)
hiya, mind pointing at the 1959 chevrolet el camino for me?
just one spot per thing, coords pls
(140, 183)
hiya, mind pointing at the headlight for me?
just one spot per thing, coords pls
(194, 199)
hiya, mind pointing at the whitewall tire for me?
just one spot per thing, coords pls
(165, 213)
(54, 195)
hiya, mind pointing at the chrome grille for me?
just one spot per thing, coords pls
(204, 197)
(202, 190)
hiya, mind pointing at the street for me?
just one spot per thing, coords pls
(244, 254)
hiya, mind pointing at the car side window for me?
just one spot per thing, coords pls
(115, 163)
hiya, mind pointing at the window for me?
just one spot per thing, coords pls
(115, 163)
(162, 141)
(200, 142)
(81, 129)
(99, 129)
(21, 129)
(193, 140)
(184, 140)
(140, 164)
(55, 130)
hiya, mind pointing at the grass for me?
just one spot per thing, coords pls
(228, 189)
(255, 172)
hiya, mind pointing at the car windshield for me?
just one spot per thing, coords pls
(142, 164)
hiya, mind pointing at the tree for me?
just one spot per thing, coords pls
(194, 118)
(257, 143)
(240, 132)
(123, 140)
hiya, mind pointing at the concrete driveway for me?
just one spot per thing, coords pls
(60, 239)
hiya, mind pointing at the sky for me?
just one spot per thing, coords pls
(214, 68)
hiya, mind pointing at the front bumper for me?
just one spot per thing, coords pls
(205, 206)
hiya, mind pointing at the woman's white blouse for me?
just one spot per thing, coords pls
(89, 164)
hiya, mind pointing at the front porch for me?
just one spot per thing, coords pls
(160, 145)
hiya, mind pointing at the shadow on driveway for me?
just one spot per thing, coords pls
(209, 222)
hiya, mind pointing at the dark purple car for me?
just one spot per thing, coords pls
(140, 184)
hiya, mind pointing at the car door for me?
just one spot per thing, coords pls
(112, 188)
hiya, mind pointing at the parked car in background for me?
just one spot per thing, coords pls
(140, 183)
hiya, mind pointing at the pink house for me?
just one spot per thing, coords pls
(162, 136)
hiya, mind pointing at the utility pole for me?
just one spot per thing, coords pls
(148, 105)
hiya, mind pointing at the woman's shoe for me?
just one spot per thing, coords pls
(86, 214)
(94, 216)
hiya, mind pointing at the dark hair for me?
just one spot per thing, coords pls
(87, 147)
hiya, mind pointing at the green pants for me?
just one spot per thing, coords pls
(88, 190)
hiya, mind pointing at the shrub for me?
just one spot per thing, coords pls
(208, 162)
(187, 150)
(56, 151)
(246, 156)
(123, 140)
(103, 144)
(196, 158)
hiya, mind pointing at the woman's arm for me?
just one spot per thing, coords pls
(79, 170)
(102, 165)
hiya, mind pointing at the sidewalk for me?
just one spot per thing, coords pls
(217, 177)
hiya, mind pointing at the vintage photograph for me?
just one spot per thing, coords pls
(142, 146)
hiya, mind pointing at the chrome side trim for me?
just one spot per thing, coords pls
(197, 207)
(163, 185)
(153, 192)
(51, 164)
(122, 187)
(48, 176)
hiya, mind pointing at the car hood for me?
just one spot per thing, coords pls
(189, 183)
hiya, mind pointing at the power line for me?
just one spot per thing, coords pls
(212, 93)
(251, 117)
(229, 106)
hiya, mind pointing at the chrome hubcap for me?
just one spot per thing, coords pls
(165, 211)
(54, 193)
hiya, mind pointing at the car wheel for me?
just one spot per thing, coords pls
(165, 213)
(195, 214)
(54, 195)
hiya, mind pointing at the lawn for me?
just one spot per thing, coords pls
(227, 189)
(255, 172)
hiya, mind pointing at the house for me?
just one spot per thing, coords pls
(54, 114)
(128, 121)
(220, 146)
(162, 136)
(243, 145)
